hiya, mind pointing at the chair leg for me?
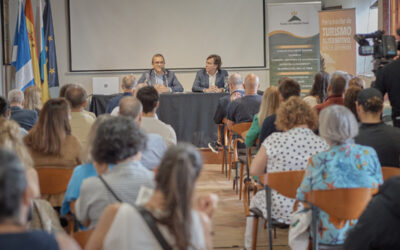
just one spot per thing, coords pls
(229, 165)
(226, 161)
(236, 178)
(274, 232)
(254, 233)
(241, 180)
(223, 160)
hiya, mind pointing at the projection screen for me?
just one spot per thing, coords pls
(124, 34)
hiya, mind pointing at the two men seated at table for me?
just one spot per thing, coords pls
(162, 79)
(212, 78)
(128, 87)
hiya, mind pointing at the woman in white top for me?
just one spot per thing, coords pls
(122, 226)
(286, 151)
(319, 90)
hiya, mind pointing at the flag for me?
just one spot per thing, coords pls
(42, 58)
(21, 55)
(30, 26)
(52, 71)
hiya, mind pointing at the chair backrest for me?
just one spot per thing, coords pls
(286, 183)
(82, 237)
(239, 128)
(388, 172)
(53, 180)
(342, 203)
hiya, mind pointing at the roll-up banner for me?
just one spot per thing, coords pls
(293, 36)
(338, 48)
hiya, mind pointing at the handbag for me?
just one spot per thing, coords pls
(298, 231)
(146, 215)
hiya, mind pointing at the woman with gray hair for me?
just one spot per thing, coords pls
(344, 165)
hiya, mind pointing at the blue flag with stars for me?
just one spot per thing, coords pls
(50, 46)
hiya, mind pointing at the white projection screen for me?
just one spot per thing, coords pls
(112, 35)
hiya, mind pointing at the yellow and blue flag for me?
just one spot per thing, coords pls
(43, 59)
(50, 46)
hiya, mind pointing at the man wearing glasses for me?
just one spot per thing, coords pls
(162, 79)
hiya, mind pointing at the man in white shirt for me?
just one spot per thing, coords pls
(148, 96)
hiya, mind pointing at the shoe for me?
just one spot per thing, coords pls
(214, 147)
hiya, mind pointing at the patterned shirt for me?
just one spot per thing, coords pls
(343, 166)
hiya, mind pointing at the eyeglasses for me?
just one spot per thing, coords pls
(159, 62)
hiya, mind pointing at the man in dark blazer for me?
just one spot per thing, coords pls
(211, 79)
(161, 79)
(24, 117)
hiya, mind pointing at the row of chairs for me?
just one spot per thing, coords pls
(343, 204)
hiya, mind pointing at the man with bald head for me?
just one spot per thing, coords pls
(336, 88)
(131, 107)
(244, 109)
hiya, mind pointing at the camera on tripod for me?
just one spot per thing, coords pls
(383, 48)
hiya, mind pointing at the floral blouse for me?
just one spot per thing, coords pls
(343, 166)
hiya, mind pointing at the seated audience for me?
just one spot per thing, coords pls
(212, 78)
(128, 88)
(373, 132)
(15, 203)
(155, 147)
(24, 117)
(63, 90)
(244, 109)
(5, 112)
(287, 88)
(83, 171)
(344, 165)
(318, 92)
(357, 81)
(171, 206)
(269, 105)
(119, 142)
(378, 226)
(50, 142)
(236, 91)
(80, 121)
(33, 98)
(350, 98)
(336, 88)
(163, 80)
(148, 96)
(285, 151)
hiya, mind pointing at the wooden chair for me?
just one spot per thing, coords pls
(341, 203)
(53, 180)
(388, 172)
(238, 129)
(222, 126)
(82, 237)
(286, 183)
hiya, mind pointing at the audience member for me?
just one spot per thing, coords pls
(244, 109)
(122, 226)
(119, 142)
(350, 98)
(287, 88)
(15, 202)
(84, 171)
(318, 92)
(63, 90)
(236, 91)
(344, 165)
(33, 98)
(212, 78)
(148, 96)
(50, 142)
(128, 88)
(80, 121)
(163, 80)
(269, 105)
(155, 147)
(357, 81)
(285, 151)
(373, 132)
(336, 88)
(24, 117)
(5, 112)
(11, 139)
(378, 226)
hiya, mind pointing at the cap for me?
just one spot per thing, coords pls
(366, 94)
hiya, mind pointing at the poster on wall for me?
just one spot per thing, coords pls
(338, 48)
(293, 36)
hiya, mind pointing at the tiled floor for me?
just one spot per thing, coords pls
(229, 219)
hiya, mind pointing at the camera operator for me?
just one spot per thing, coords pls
(388, 81)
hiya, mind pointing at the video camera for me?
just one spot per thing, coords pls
(383, 49)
